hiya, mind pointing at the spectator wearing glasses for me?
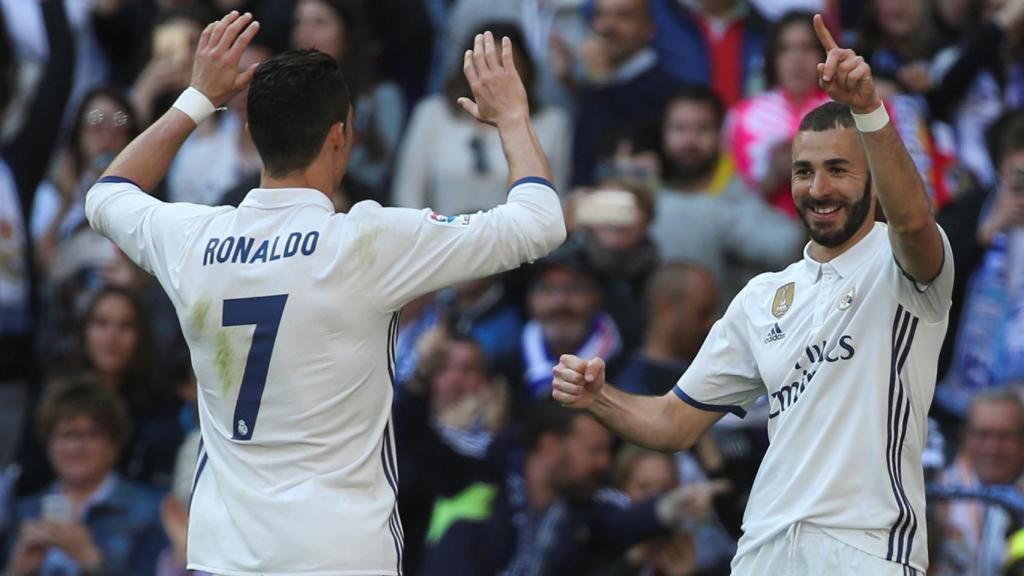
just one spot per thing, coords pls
(90, 521)
(566, 316)
(104, 124)
(991, 454)
(449, 162)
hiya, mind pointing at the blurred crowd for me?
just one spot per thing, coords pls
(668, 125)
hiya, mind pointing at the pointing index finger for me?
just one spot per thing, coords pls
(824, 36)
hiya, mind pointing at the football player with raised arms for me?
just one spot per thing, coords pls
(844, 343)
(290, 310)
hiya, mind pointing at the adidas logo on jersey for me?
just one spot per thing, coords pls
(775, 334)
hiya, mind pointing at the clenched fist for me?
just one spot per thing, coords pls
(577, 382)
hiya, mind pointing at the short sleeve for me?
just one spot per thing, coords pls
(150, 232)
(724, 376)
(404, 253)
(930, 301)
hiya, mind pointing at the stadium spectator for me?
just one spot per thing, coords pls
(172, 46)
(989, 351)
(898, 38)
(487, 311)
(700, 546)
(72, 258)
(715, 43)
(104, 124)
(566, 317)
(631, 152)
(90, 521)
(220, 164)
(115, 344)
(338, 28)
(554, 32)
(625, 82)
(992, 453)
(682, 304)
(972, 83)
(538, 508)
(447, 415)
(760, 130)
(642, 474)
(419, 318)
(465, 168)
(613, 233)
(32, 133)
(706, 213)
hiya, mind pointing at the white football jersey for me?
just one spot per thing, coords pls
(847, 353)
(291, 312)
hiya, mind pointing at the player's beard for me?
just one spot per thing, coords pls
(858, 212)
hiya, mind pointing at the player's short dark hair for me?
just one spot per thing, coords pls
(828, 116)
(698, 95)
(83, 395)
(294, 99)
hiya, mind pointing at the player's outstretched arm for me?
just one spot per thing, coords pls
(499, 99)
(658, 422)
(214, 73)
(912, 230)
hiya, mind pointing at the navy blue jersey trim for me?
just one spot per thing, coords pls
(117, 180)
(902, 532)
(532, 180)
(709, 407)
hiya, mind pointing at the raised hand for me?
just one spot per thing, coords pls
(845, 75)
(577, 382)
(498, 93)
(215, 71)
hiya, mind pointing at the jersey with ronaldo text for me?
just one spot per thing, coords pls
(290, 312)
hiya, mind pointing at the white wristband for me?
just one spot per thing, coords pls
(195, 104)
(872, 121)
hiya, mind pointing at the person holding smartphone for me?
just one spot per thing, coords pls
(90, 521)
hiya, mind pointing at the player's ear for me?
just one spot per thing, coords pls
(337, 135)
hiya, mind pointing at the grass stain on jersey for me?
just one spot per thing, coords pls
(197, 317)
(224, 361)
(365, 247)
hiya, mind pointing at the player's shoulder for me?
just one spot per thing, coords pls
(769, 281)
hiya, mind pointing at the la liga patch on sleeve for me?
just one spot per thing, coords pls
(451, 221)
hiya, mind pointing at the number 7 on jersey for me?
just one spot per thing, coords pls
(265, 312)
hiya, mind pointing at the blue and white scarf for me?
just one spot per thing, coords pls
(604, 341)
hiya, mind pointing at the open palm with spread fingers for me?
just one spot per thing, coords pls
(498, 93)
(577, 382)
(215, 71)
(845, 75)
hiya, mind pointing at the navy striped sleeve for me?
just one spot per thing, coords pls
(708, 407)
(117, 180)
(532, 180)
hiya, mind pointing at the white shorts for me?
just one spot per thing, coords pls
(805, 550)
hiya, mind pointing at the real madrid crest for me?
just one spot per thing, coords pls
(783, 299)
(847, 299)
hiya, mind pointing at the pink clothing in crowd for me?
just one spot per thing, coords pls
(755, 126)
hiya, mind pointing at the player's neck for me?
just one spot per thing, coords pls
(312, 178)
